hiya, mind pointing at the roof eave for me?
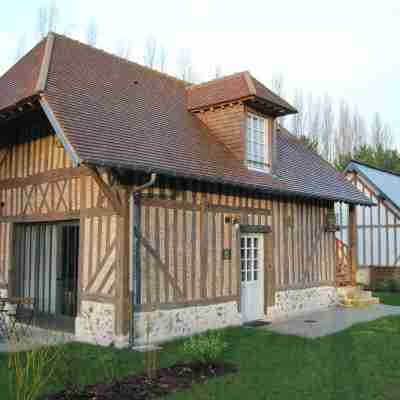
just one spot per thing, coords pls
(272, 191)
(14, 110)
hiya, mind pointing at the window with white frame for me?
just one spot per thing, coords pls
(249, 258)
(257, 143)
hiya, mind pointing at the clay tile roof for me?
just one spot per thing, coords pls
(304, 170)
(221, 90)
(231, 88)
(20, 81)
(117, 113)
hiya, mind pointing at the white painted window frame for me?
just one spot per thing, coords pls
(257, 143)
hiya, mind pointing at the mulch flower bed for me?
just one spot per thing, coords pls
(140, 387)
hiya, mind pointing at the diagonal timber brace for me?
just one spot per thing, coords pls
(108, 190)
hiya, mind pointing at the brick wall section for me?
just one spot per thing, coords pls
(227, 124)
(380, 274)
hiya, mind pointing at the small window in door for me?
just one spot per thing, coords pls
(250, 258)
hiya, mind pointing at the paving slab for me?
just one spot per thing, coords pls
(323, 323)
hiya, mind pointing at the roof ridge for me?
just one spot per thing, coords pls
(44, 69)
(125, 60)
(250, 82)
(211, 81)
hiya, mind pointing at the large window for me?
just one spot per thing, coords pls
(257, 143)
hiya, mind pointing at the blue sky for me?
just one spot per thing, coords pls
(348, 49)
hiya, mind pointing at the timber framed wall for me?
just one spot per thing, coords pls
(184, 228)
(378, 228)
(38, 183)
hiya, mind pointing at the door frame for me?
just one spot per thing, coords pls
(268, 257)
(260, 281)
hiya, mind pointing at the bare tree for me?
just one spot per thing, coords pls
(327, 128)
(150, 52)
(359, 131)
(162, 59)
(298, 120)
(376, 130)
(344, 135)
(381, 134)
(92, 33)
(124, 49)
(314, 119)
(218, 71)
(277, 85)
(47, 19)
(21, 47)
(185, 69)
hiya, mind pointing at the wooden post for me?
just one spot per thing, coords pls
(122, 314)
(353, 243)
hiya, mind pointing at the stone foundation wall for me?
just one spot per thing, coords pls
(290, 303)
(95, 324)
(381, 274)
(163, 325)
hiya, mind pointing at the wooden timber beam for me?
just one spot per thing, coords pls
(4, 156)
(107, 190)
(353, 243)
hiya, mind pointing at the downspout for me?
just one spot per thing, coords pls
(135, 253)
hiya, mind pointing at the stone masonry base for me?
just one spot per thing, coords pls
(95, 324)
(291, 303)
(164, 325)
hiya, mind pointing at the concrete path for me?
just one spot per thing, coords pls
(331, 321)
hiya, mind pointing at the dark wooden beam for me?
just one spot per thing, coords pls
(107, 190)
(353, 243)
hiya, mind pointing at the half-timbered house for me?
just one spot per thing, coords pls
(137, 205)
(378, 228)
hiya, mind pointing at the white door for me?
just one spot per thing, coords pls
(252, 276)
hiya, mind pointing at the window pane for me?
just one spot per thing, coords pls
(243, 276)
(248, 275)
(255, 142)
(248, 242)
(255, 275)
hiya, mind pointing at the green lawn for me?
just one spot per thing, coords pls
(391, 299)
(360, 363)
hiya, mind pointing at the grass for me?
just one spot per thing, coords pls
(360, 363)
(389, 298)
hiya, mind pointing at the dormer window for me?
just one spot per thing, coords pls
(257, 143)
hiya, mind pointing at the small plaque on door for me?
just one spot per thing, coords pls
(226, 254)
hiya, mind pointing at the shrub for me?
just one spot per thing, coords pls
(206, 348)
(33, 370)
